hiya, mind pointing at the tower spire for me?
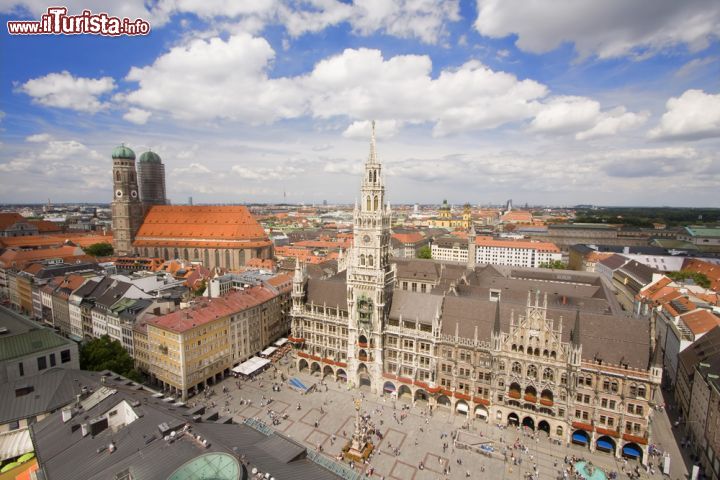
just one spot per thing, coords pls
(496, 326)
(576, 329)
(373, 155)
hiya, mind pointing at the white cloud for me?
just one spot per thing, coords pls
(211, 79)
(192, 169)
(362, 129)
(692, 116)
(228, 79)
(278, 172)
(137, 116)
(157, 14)
(609, 28)
(647, 162)
(583, 117)
(361, 84)
(613, 122)
(38, 138)
(63, 90)
(566, 114)
(695, 65)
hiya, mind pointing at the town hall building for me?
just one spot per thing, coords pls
(549, 350)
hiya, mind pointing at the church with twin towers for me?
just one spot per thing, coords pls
(549, 350)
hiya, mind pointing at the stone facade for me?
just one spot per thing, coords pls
(506, 345)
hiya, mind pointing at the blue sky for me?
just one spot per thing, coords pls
(544, 102)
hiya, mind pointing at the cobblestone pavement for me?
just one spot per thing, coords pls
(326, 418)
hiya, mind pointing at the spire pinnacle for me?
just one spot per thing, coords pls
(496, 326)
(576, 329)
(373, 155)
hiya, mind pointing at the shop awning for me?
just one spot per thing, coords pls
(605, 445)
(462, 407)
(481, 412)
(631, 451)
(250, 366)
(281, 342)
(15, 443)
(579, 437)
(268, 351)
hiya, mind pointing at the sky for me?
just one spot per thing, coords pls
(547, 102)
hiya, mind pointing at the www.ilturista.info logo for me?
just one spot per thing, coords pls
(57, 22)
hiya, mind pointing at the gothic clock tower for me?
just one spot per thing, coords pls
(370, 277)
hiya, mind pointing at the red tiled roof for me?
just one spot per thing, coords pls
(45, 226)
(517, 216)
(207, 310)
(201, 226)
(20, 258)
(710, 270)
(542, 246)
(413, 237)
(700, 321)
(7, 220)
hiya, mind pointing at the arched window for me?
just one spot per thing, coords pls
(563, 379)
(227, 259)
(517, 368)
(207, 257)
(537, 352)
(375, 207)
(548, 375)
(521, 349)
(501, 366)
(514, 347)
(368, 203)
(553, 354)
(166, 256)
(175, 253)
(532, 372)
(370, 176)
(641, 391)
(614, 386)
(546, 353)
(362, 259)
(370, 260)
(117, 175)
(217, 257)
(196, 255)
(185, 254)
(559, 431)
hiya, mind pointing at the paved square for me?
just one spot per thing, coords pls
(334, 411)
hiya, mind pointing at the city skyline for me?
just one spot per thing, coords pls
(611, 105)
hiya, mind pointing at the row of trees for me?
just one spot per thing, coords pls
(105, 353)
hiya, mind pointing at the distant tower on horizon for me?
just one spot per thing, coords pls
(151, 179)
(508, 206)
(127, 210)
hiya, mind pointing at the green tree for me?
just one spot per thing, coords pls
(105, 353)
(424, 252)
(698, 278)
(102, 249)
(556, 264)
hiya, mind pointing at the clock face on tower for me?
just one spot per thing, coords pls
(366, 239)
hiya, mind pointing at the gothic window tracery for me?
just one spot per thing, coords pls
(532, 372)
(548, 375)
(517, 368)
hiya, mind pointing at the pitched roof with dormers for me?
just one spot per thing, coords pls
(201, 226)
(206, 310)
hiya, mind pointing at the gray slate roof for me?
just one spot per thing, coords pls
(52, 389)
(25, 337)
(65, 454)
